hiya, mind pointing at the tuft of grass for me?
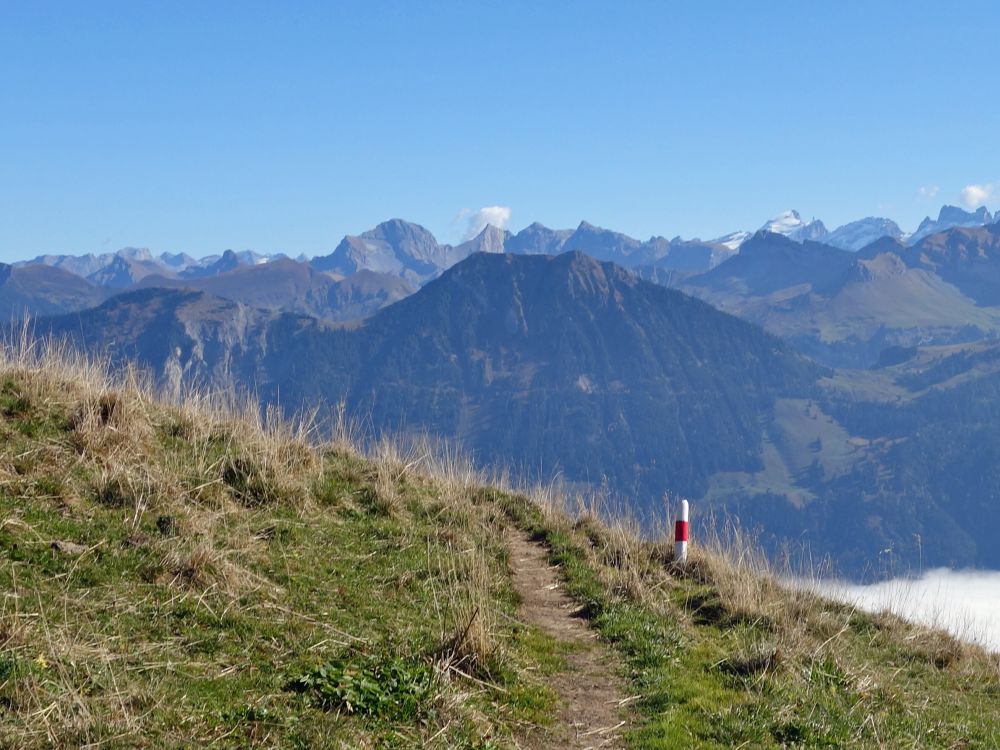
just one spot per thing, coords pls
(473, 642)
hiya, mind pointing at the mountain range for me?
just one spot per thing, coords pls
(409, 251)
(541, 362)
(843, 308)
(569, 366)
(290, 286)
(837, 302)
(838, 396)
(857, 235)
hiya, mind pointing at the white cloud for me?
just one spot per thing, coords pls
(476, 221)
(974, 196)
(965, 603)
(928, 191)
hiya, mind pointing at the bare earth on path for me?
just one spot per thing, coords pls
(590, 714)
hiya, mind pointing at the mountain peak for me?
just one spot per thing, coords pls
(884, 244)
(490, 240)
(492, 230)
(791, 224)
(537, 239)
(767, 238)
(605, 244)
(784, 222)
(863, 232)
(956, 215)
(400, 230)
(733, 240)
(395, 246)
(135, 253)
(948, 218)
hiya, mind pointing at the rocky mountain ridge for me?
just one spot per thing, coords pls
(412, 253)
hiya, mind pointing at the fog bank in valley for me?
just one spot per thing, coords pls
(966, 603)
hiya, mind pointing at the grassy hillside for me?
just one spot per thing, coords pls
(193, 575)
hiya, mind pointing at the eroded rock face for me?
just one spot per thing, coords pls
(398, 247)
(951, 217)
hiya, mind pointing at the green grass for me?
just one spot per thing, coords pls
(176, 579)
(791, 670)
(204, 601)
(801, 442)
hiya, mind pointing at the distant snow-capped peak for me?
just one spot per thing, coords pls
(861, 233)
(784, 223)
(791, 225)
(733, 240)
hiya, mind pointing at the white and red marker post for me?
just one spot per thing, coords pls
(681, 536)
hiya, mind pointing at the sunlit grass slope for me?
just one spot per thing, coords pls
(188, 575)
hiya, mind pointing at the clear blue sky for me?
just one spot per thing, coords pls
(200, 126)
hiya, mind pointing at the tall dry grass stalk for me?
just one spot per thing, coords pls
(468, 613)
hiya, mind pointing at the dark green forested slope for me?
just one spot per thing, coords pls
(548, 364)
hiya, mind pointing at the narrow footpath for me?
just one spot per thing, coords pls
(591, 713)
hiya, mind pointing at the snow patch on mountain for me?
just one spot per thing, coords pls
(733, 240)
(861, 233)
(791, 225)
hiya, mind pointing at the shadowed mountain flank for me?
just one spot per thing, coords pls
(551, 364)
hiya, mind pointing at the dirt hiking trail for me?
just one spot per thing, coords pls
(590, 714)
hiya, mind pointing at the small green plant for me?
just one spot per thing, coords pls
(10, 667)
(376, 685)
(16, 406)
(250, 714)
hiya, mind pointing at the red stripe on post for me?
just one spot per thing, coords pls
(681, 531)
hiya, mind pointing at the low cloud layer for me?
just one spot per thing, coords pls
(476, 221)
(974, 196)
(965, 603)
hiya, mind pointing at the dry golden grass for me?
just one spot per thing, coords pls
(195, 478)
(205, 469)
(237, 456)
(470, 642)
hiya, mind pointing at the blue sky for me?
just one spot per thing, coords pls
(280, 127)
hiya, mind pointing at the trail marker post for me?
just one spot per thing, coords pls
(681, 536)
